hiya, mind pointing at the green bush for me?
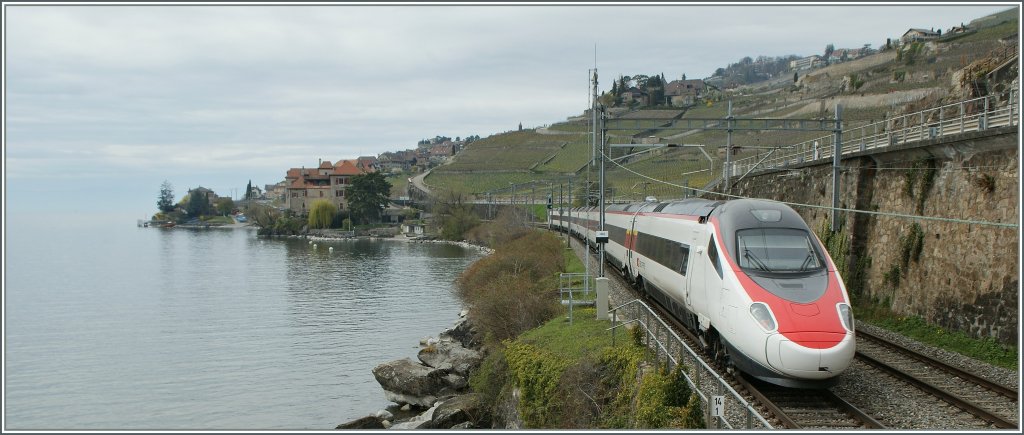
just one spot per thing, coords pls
(321, 214)
(513, 289)
(537, 374)
(491, 377)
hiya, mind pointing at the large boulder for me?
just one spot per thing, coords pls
(406, 381)
(368, 422)
(422, 421)
(463, 332)
(451, 357)
(456, 382)
(467, 408)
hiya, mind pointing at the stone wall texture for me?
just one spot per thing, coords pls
(961, 276)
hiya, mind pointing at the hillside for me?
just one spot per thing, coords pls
(872, 88)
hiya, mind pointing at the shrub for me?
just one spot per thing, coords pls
(537, 373)
(513, 290)
(986, 182)
(507, 226)
(491, 377)
(677, 390)
(321, 214)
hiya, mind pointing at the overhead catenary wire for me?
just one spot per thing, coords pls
(795, 204)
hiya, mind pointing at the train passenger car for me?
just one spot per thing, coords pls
(747, 276)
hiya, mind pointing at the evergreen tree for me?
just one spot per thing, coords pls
(368, 195)
(248, 191)
(198, 204)
(165, 202)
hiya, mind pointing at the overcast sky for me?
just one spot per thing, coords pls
(103, 103)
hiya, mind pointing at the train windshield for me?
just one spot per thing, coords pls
(777, 250)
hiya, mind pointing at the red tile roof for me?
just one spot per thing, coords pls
(346, 167)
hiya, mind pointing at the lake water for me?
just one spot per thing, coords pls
(111, 326)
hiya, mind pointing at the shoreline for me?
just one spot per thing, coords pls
(317, 237)
(404, 239)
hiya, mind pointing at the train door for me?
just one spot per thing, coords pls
(690, 252)
(631, 239)
(713, 282)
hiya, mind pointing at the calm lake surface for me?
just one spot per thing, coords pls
(111, 326)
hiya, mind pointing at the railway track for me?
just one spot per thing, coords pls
(808, 409)
(788, 407)
(993, 403)
(931, 384)
(791, 408)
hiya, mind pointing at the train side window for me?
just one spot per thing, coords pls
(713, 256)
(684, 257)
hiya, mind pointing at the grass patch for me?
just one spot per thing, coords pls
(573, 127)
(586, 335)
(573, 263)
(479, 182)
(987, 350)
(574, 155)
(399, 184)
(570, 376)
(995, 32)
(218, 220)
(518, 150)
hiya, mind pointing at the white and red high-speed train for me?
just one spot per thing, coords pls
(747, 276)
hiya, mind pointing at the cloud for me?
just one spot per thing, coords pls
(189, 88)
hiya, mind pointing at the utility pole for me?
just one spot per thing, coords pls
(836, 153)
(728, 151)
(568, 227)
(512, 201)
(599, 151)
(600, 204)
(533, 200)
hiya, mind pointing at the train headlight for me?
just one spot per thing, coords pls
(846, 315)
(763, 315)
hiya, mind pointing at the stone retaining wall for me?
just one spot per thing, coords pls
(960, 276)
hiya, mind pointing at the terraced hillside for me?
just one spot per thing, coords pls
(877, 87)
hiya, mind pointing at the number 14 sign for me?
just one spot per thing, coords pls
(717, 406)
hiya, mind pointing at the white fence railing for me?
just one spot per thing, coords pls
(671, 350)
(975, 114)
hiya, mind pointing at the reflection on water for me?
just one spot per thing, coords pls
(145, 328)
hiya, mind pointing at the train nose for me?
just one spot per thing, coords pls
(812, 355)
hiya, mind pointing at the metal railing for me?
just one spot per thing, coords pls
(575, 283)
(977, 114)
(671, 350)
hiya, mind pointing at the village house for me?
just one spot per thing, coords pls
(438, 154)
(684, 92)
(957, 29)
(809, 62)
(398, 161)
(325, 182)
(276, 191)
(634, 95)
(212, 197)
(368, 163)
(916, 35)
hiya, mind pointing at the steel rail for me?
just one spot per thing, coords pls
(965, 405)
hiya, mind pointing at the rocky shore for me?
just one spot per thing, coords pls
(433, 392)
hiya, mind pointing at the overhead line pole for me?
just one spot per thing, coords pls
(601, 202)
(728, 152)
(836, 154)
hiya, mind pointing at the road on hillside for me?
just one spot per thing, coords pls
(417, 182)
